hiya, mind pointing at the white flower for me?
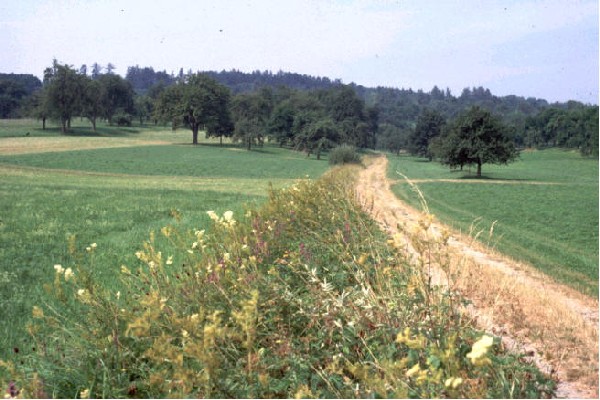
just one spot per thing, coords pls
(59, 269)
(170, 260)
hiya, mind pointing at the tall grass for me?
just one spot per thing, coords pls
(302, 297)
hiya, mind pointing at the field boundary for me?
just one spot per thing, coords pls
(553, 325)
(478, 181)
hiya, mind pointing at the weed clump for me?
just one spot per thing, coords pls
(303, 297)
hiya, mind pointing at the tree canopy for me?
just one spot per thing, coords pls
(430, 125)
(475, 137)
(197, 102)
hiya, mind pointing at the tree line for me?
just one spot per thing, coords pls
(306, 113)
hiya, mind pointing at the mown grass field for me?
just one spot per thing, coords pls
(113, 196)
(545, 205)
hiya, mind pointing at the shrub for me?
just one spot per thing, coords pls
(303, 297)
(122, 118)
(344, 154)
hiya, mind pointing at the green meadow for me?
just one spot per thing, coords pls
(114, 197)
(542, 209)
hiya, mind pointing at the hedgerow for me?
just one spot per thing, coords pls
(303, 297)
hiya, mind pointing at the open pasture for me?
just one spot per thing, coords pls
(103, 193)
(545, 206)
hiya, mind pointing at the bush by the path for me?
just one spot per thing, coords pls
(344, 154)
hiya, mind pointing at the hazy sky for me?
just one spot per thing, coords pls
(546, 49)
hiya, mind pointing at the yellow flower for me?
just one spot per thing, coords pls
(170, 260)
(166, 231)
(453, 382)
(59, 269)
(413, 370)
(84, 394)
(213, 215)
(37, 312)
(84, 295)
(69, 274)
(125, 270)
(479, 351)
(228, 216)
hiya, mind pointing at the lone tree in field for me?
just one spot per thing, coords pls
(475, 137)
(197, 102)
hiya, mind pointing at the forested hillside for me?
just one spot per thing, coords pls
(305, 112)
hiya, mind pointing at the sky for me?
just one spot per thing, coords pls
(533, 48)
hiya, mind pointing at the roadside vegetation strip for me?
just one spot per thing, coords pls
(299, 297)
(551, 324)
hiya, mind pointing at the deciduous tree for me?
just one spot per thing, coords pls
(429, 125)
(198, 102)
(475, 137)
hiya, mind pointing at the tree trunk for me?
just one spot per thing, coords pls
(44, 123)
(63, 125)
(94, 124)
(479, 168)
(194, 134)
(221, 140)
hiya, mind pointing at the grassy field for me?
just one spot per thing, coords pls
(545, 205)
(114, 196)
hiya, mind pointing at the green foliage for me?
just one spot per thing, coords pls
(344, 154)
(575, 127)
(198, 102)
(392, 138)
(543, 209)
(251, 113)
(116, 98)
(475, 138)
(14, 92)
(63, 92)
(300, 298)
(430, 125)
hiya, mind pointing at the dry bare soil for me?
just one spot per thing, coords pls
(551, 324)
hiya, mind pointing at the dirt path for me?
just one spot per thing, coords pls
(553, 325)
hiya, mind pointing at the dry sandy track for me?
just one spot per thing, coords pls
(553, 325)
